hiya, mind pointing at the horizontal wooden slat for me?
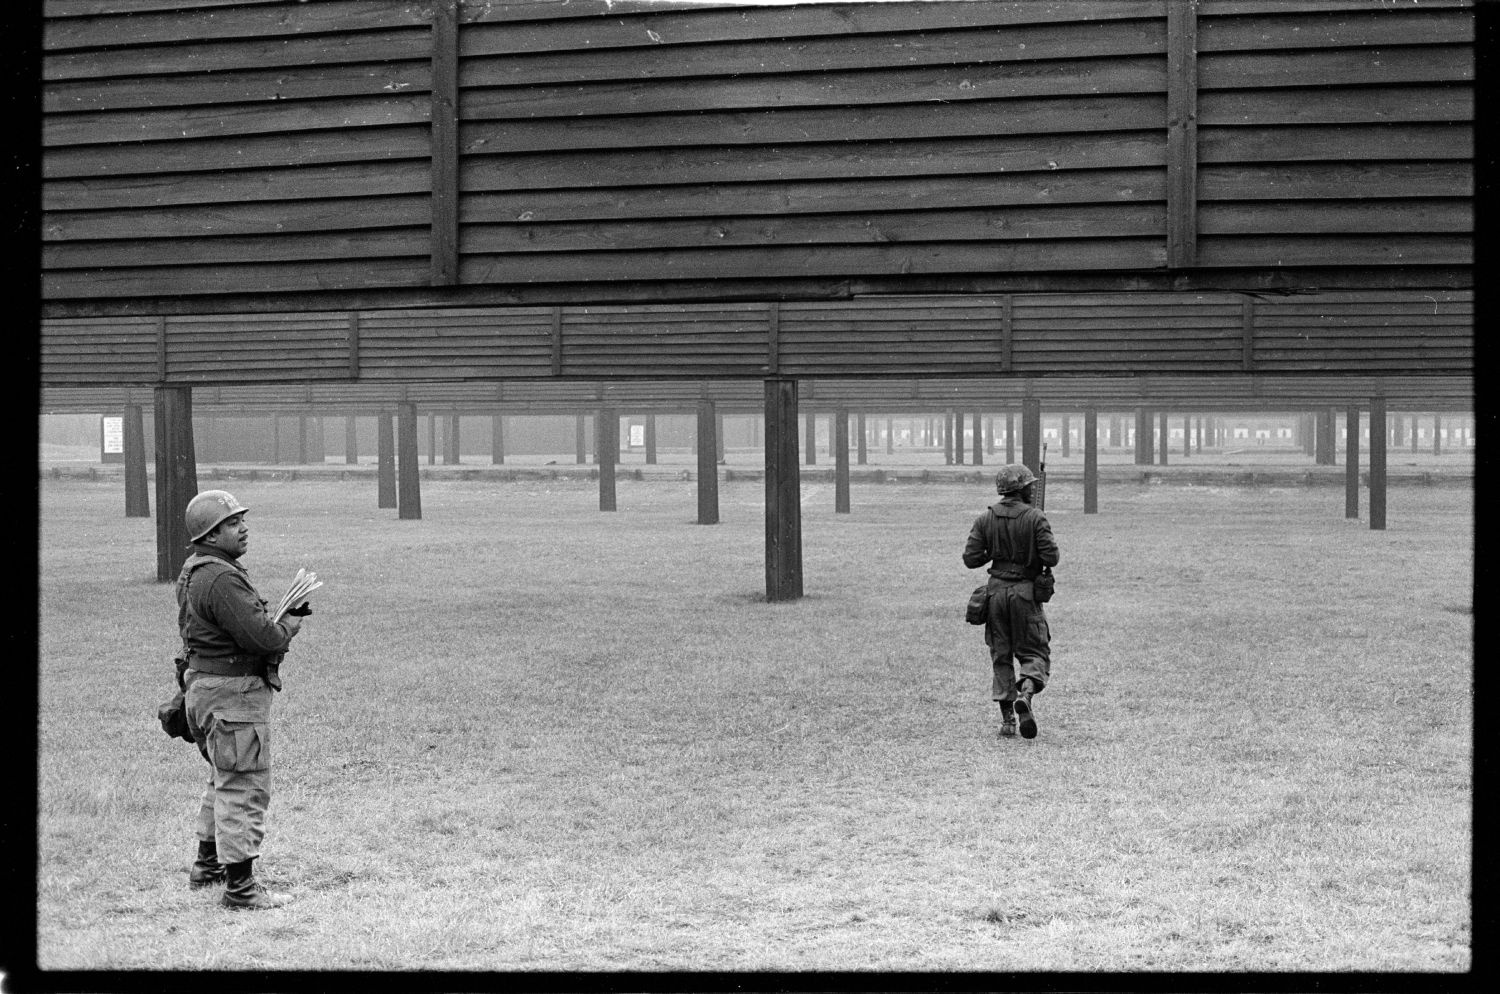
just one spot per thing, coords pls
(300, 54)
(497, 27)
(1388, 25)
(1291, 250)
(826, 196)
(826, 260)
(1366, 105)
(310, 182)
(251, 21)
(330, 147)
(346, 214)
(1335, 143)
(1045, 116)
(254, 277)
(1403, 216)
(94, 8)
(307, 83)
(1000, 224)
(202, 251)
(233, 119)
(1224, 8)
(847, 160)
(1337, 67)
(1334, 180)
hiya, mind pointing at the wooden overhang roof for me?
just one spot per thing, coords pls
(388, 193)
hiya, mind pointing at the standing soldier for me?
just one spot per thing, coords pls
(233, 651)
(1016, 540)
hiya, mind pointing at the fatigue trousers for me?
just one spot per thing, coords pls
(230, 717)
(1018, 638)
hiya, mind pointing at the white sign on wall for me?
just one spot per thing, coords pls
(637, 435)
(114, 436)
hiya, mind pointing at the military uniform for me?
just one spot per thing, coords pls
(232, 651)
(1015, 539)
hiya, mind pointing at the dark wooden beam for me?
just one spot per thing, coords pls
(137, 501)
(497, 439)
(1351, 462)
(385, 461)
(783, 493)
(351, 440)
(840, 443)
(1164, 442)
(1090, 461)
(408, 474)
(176, 478)
(650, 440)
(1377, 463)
(708, 464)
(607, 449)
(1031, 433)
(444, 125)
(978, 439)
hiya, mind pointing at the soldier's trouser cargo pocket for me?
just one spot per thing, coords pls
(240, 741)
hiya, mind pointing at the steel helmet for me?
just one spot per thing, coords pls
(1012, 477)
(209, 509)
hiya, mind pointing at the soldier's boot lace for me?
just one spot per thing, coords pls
(244, 892)
(1023, 710)
(206, 870)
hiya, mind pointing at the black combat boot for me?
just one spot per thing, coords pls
(243, 891)
(207, 870)
(1023, 709)
(1007, 720)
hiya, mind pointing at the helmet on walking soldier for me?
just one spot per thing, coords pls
(208, 510)
(1012, 477)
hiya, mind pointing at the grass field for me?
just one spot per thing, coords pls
(522, 734)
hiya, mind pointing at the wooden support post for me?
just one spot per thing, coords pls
(1164, 443)
(431, 439)
(607, 448)
(978, 439)
(1199, 443)
(708, 464)
(1090, 461)
(812, 438)
(1065, 430)
(408, 476)
(989, 436)
(650, 440)
(497, 439)
(862, 447)
(450, 440)
(1437, 434)
(719, 436)
(301, 440)
(1010, 436)
(385, 461)
(316, 442)
(176, 477)
(275, 440)
(841, 461)
(1031, 433)
(1143, 439)
(1377, 463)
(351, 440)
(958, 438)
(1415, 433)
(1322, 439)
(890, 436)
(137, 501)
(783, 493)
(1187, 435)
(580, 443)
(1351, 463)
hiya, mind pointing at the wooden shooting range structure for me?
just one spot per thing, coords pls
(375, 205)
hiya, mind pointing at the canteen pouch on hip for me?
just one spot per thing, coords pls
(1043, 585)
(173, 713)
(978, 611)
